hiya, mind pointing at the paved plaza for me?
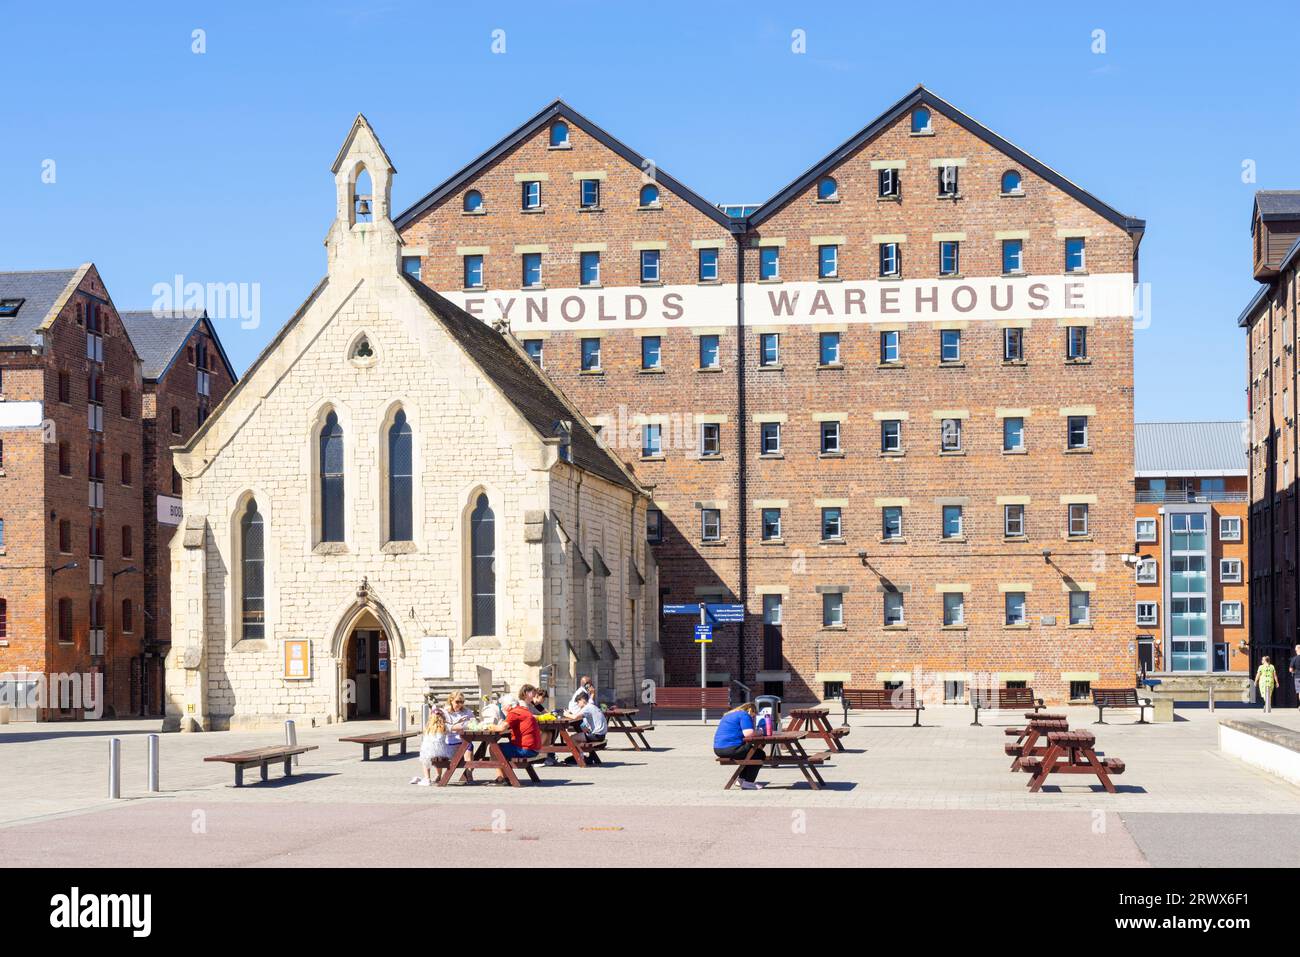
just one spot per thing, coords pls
(941, 794)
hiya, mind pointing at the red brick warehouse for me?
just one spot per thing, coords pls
(80, 476)
(890, 409)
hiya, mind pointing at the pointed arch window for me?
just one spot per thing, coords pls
(252, 573)
(331, 480)
(483, 577)
(400, 479)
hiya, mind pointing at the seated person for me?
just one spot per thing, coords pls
(525, 736)
(734, 728)
(584, 684)
(594, 725)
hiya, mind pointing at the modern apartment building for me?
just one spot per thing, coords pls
(889, 410)
(1270, 323)
(1192, 609)
(73, 487)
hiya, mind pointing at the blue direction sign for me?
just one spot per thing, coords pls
(703, 634)
(682, 610)
(724, 614)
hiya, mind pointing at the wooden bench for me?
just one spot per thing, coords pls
(690, 699)
(1003, 699)
(876, 699)
(260, 758)
(381, 739)
(1105, 698)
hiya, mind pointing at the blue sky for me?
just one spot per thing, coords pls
(216, 166)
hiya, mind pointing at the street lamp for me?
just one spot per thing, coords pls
(112, 613)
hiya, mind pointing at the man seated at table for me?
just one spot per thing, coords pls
(594, 725)
(585, 684)
(729, 741)
(525, 736)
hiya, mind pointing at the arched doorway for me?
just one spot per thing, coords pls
(368, 661)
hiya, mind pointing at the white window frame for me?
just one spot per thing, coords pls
(704, 525)
(1229, 520)
(1146, 621)
(1225, 619)
(1152, 569)
(835, 608)
(1137, 530)
(902, 609)
(1229, 579)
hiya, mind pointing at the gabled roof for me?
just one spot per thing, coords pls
(1189, 448)
(524, 386)
(358, 124)
(160, 337)
(922, 96)
(557, 110)
(1252, 307)
(43, 293)
(1272, 204)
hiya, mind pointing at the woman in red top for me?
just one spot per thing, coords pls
(525, 735)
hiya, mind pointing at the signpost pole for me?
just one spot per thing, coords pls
(704, 673)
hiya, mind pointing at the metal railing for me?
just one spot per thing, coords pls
(1180, 497)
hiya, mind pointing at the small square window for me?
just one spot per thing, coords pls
(1147, 613)
(830, 438)
(411, 266)
(771, 524)
(649, 265)
(709, 354)
(1080, 690)
(1230, 571)
(1144, 530)
(1229, 528)
(708, 265)
(832, 525)
(1147, 572)
(828, 349)
(534, 349)
(711, 524)
(651, 353)
(832, 610)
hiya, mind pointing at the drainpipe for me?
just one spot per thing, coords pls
(741, 431)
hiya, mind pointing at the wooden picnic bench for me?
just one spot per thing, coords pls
(1105, 698)
(558, 738)
(689, 699)
(1026, 745)
(877, 699)
(1071, 752)
(795, 756)
(623, 720)
(1002, 699)
(261, 758)
(816, 721)
(381, 739)
(482, 749)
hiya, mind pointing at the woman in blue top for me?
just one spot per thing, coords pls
(729, 741)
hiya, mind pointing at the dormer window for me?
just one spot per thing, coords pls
(649, 195)
(828, 189)
(921, 120)
(473, 202)
(559, 135)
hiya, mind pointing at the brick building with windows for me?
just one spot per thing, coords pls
(1269, 320)
(1192, 609)
(185, 375)
(889, 410)
(73, 484)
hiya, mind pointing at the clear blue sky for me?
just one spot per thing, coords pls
(216, 166)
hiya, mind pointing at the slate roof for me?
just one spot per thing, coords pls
(158, 339)
(523, 384)
(41, 290)
(1277, 204)
(1189, 448)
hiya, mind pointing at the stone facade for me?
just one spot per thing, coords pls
(574, 582)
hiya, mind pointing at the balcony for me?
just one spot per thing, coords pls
(1181, 497)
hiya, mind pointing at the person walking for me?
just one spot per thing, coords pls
(1266, 681)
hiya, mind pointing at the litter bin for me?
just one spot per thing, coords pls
(773, 703)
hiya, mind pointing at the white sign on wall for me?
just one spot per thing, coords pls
(20, 415)
(169, 510)
(1102, 296)
(435, 657)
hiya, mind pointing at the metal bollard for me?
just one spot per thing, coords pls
(114, 768)
(1210, 691)
(291, 737)
(424, 715)
(153, 764)
(401, 720)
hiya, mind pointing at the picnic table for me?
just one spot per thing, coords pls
(789, 742)
(1026, 745)
(482, 749)
(624, 720)
(816, 721)
(1071, 752)
(558, 738)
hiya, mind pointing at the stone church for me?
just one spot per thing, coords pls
(393, 498)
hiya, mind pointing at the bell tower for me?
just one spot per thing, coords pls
(362, 238)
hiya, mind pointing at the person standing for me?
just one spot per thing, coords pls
(729, 741)
(1266, 681)
(1295, 673)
